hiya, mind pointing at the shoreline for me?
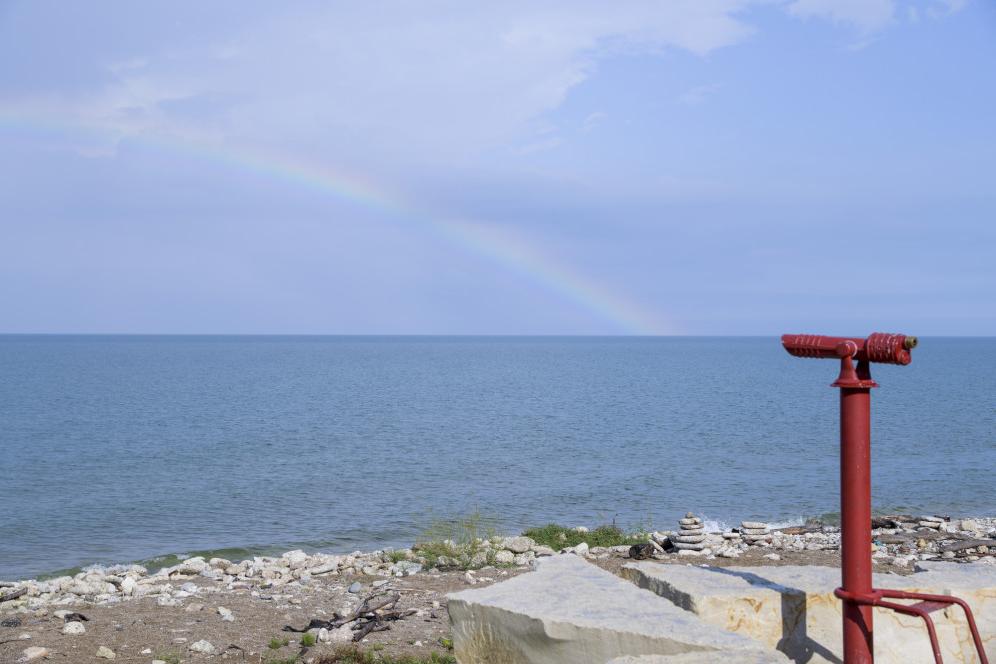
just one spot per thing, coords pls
(204, 607)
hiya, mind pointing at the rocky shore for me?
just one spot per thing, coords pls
(203, 608)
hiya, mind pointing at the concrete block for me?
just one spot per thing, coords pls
(793, 609)
(569, 611)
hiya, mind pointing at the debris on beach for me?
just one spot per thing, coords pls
(374, 614)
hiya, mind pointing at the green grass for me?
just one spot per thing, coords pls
(355, 656)
(397, 556)
(459, 540)
(557, 537)
(308, 640)
(169, 658)
(277, 644)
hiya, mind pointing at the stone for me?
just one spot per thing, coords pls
(203, 647)
(793, 609)
(706, 658)
(409, 567)
(128, 585)
(686, 546)
(772, 556)
(689, 521)
(754, 525)
(518, 544)
(504, 557)
(541, 550)
(226, 614)
(355, 587)
(970, 525)
(103, 652)
(579, 550)
(33, 653)
(73, 628)
(689, 539)
(295, 559)
(569, 611)
(930, 524)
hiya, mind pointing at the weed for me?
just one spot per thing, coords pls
(277, 644)
(557, 537)
(458, 543)
(308, 640)
(169, 658)
(356, 656)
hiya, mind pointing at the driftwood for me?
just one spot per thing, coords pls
(13, 594)
(372, 615)
(967, 544)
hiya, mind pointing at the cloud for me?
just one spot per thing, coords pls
(395, 79)
(866, 15)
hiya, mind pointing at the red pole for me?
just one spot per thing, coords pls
(855, 521)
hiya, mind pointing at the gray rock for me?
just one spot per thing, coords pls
(103, 652)
(73, 628)
(519, 544)
(226, 614)
(203, 647)
(569, 611)
(355, 587)
(504, 557)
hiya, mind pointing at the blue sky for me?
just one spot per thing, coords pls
(691, 167)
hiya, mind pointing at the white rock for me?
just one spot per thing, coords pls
(518, 544)
(128, 585)
(203, 647)
(73, 628)
(226, 614)
(579, 550)
(33, 653)
(569, 611)
(772, 556)
(504, 557)
(103, 652)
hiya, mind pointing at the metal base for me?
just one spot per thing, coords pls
(925, 605)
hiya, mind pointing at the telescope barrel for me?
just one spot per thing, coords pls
(879, 347)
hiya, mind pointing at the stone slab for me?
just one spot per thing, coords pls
(571, 612)
(730, 656)
(793, 609)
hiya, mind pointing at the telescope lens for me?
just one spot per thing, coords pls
(910, 343)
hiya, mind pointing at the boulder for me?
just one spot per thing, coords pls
(570, 611)
(518, 544)
(793, 608)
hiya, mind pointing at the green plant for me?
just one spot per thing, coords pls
(308, 640)
(277, 644)
(352, 655)
(396, 556)
(557, 537)
(458, 542)
(169, 657)
(446, 642)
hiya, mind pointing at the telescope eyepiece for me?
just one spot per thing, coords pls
(909, 343)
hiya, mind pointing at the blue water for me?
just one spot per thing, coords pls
(123, 448)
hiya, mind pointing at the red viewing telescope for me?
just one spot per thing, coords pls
(856, 589)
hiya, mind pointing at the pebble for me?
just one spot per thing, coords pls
(203, 647)
(469, 578)
(73, 628)
(355, 587)
(226, 614)
(772, 556)
(103, 652)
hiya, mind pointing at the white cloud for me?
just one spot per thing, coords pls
(866, 15)
(450, 80)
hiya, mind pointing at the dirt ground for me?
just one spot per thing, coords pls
(140, 630)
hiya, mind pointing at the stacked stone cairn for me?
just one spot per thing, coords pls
(691, 534)
(755, 532)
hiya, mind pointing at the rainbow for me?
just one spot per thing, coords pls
(502, 247)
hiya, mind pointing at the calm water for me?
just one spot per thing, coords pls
(124, 448)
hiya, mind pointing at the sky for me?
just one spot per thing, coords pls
(627, 167)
